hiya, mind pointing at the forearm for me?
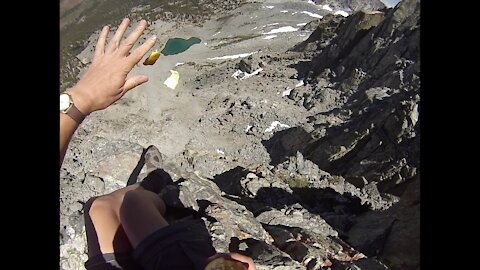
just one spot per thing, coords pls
(68, 125)
(67, 128)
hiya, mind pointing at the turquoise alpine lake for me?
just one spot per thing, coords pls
(179, 45)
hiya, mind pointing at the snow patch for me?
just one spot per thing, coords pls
(245, 74)
(314, 15)
(270, 7)
(237, 73)
(220, 152)
(284, 11)
(270, 37)
(216, 34)
(341, 12)
(301, 24)
(299, 84)
(248, 128)
(272, 24)
(326, 7)
(179, 64)
(281, 30)
(274, 125)
(248, 75)
(235, 56)
(287, 92)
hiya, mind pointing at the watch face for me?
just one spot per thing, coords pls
(64, 102)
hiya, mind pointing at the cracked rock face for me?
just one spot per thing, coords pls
(312, 163)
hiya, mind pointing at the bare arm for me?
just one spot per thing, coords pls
(106, 79)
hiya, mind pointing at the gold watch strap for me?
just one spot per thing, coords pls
(75, 114)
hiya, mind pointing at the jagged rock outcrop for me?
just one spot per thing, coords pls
(372, 139)
(380, 46)
(376, 138)
(369, 140)
(323, 33)
(250, 64)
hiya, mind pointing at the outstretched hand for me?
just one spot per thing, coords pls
(106, 79)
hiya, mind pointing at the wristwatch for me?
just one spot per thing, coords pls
(68, 107)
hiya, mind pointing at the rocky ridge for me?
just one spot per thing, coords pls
(333, 185)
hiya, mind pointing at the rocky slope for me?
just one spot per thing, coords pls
(313, 163)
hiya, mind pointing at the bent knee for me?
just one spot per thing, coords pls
(132, 197)
(139, 198)
(98, 206)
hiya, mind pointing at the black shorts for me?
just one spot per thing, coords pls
(181, 246)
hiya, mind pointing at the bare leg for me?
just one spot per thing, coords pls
(102, 223)
(141, 214)
(105, 234)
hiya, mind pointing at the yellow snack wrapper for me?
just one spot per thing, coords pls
(152, 58)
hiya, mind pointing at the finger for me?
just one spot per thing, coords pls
(134, 82)
(139, 52)
(113, 44)
(128, 43)
(245, 259)
(100, 48)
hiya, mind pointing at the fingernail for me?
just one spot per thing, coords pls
(143, 22)
(126, 20)
(153, 37)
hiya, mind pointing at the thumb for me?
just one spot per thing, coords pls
(134, 82)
